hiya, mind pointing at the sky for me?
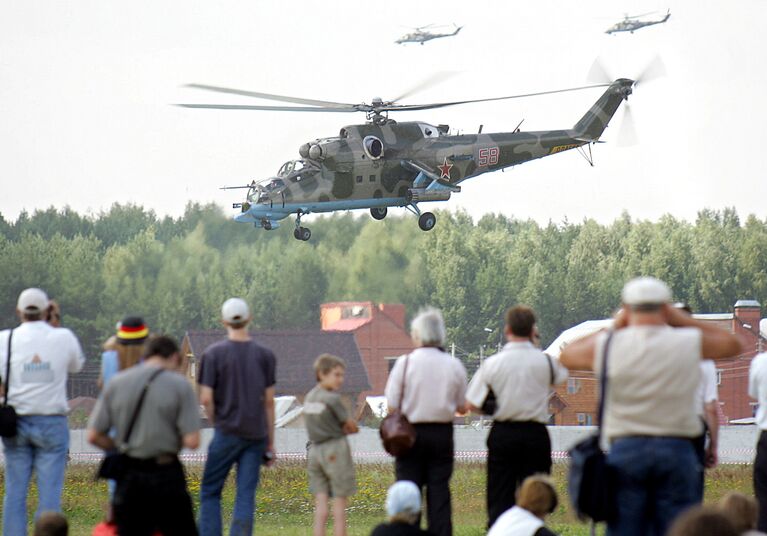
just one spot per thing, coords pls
(86, 89)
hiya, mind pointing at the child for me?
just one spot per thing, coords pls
(331, 470)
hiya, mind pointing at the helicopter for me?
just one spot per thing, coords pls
(384, 163)
(630, 24)
(421, 36)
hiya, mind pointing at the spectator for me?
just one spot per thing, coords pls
(757, 388)
(520, 376)
(536, 498)
(702, 521)
(124, 349)
(152, 495)
(654, 371)
(403, 506)
(53, 317)
(331, 469)
(41, 358)
(742, 512)
(237, 378)
(435, 388)
(51, 524)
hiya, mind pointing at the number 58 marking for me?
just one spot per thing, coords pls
(488, 156)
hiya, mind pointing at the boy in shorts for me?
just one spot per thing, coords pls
(331, 470)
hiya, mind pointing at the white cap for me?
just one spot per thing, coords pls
(235, 310)
(32, 300)
(645, 291)
(403, 497)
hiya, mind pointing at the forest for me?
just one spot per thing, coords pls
(176, 272)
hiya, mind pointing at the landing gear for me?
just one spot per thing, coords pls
(427, 221)
(301, 233)
(378, 213)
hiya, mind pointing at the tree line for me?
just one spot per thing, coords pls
(176, 272)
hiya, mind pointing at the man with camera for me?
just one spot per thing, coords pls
(653, 373)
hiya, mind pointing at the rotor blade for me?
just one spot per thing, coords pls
(598, 74)
(268, 96)
(627, 135)
(433, 80)
(268, 108)
(412, 107)
(654, 69)
(640, 15)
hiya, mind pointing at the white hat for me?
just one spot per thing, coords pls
(235, 310)
(645, 291)
(32, 300)
(403, 497)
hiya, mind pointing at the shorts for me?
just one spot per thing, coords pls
(331, 469)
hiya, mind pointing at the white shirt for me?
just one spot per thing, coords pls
(707, 390)
(521, 378)
(516, 521)
(757, 387)
(435, 386)
(41, 358)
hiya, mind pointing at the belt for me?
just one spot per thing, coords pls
(163, 460)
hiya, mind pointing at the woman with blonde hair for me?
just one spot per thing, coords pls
(536, 498)
(124, 349)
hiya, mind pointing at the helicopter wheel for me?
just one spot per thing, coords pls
(378, 213)
(302, 233)
(427, 221)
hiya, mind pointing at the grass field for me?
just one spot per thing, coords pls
(285, 505)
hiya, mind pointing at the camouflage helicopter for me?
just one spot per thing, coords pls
(630, 24)
(384, 163)
(420, 35)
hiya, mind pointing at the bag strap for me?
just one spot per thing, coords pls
(8, 370)
(603, 381)
(551, 368)
(138, 406)
(402, 391)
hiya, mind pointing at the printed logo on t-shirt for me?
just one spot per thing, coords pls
(37, 371)
(314, 408)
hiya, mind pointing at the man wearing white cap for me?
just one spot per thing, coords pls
(41, 358)
(403, 506)
(653, 372)
(237, 378)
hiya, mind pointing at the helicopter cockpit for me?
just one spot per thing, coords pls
(290, 172)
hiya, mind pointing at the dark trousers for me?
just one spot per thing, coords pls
(430, 463)
(760, 480)
(153, 498)
(515, 450)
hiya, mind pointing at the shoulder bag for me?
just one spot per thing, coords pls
(8, 418)
(590, 483)
(397, 433)
(115, 462)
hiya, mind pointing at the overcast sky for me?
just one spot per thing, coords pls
(86, 88)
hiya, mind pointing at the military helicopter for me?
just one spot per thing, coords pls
(420, 35)
(630, 24)
(384, 163)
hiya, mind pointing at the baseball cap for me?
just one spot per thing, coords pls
(32, 300)
(403, 497)
(645, 291)
(235, 310)
(132, 330)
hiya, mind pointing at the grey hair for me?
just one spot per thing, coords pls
(428, 328)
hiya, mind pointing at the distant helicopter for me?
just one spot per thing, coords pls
(421, 36)
(630, 24)
(383, 163)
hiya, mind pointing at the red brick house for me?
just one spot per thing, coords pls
(575, 403)
(379, 330)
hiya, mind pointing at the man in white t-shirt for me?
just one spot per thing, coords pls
(757, 388)
(653, 373)
(41, 358)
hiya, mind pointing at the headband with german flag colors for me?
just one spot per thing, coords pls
(132, 330)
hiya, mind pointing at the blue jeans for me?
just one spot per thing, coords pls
(40, 445)
(656, 478)
(224, 451)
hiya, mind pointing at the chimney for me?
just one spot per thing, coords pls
(745, 324)
(395, 311)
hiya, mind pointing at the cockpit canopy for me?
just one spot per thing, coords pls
(290, 172)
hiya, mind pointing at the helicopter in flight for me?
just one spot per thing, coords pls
(631, 24)
(384, 163)
(420, 35)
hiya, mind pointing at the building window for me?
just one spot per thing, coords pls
(372, 178)
(359, 178)
(573, 386)
(584, 419)
(754, 408)
(719, 377)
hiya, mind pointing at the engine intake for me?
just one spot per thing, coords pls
(416, 195)
(374, 148)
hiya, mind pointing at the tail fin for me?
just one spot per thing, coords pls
(593, 124)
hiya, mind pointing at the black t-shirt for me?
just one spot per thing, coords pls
(238, 372)
(398, 529)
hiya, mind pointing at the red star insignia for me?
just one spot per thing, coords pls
(444, 170)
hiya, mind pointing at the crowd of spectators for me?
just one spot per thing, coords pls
(657, 419)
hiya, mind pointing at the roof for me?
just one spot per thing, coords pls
(349, 324)
(713, 316)
(576, 332)
(296, 351)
